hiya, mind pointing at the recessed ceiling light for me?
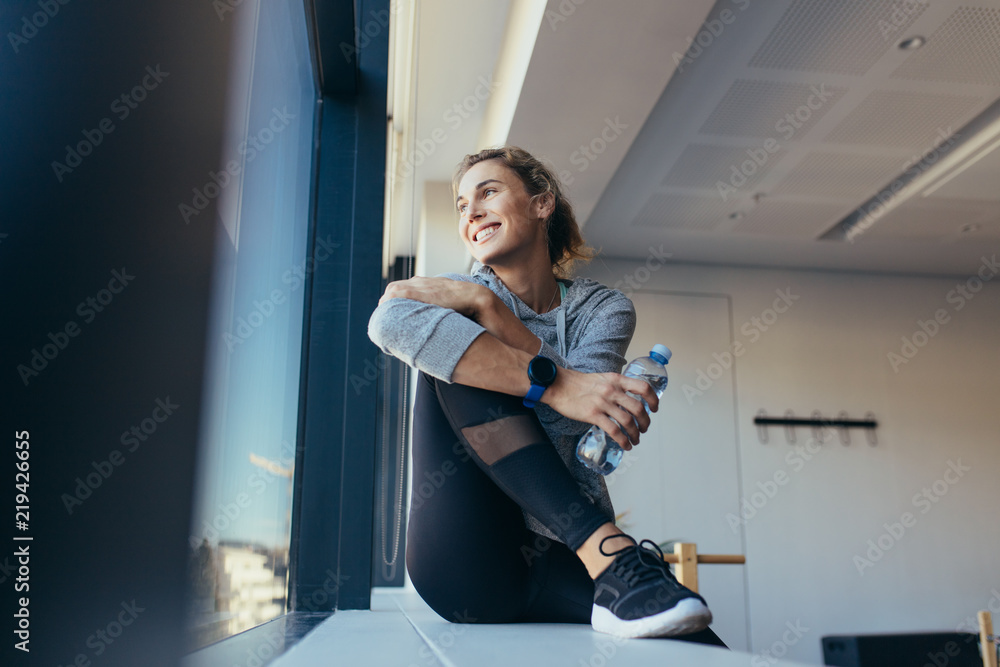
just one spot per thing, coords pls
(736, 215)
(972, 227)
(912, 43)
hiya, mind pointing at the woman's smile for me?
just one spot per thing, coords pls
(485, 232)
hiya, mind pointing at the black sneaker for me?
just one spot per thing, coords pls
(638, 596)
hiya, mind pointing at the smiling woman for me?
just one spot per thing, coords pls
(517, 361)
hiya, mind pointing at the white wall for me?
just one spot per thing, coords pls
(439, 248)
(829, 351)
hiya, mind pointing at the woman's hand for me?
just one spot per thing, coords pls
(465, 298)
(597, 398)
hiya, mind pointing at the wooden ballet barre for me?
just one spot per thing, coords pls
(987, 640)
(686, 558)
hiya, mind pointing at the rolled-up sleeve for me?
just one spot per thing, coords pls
(427, 337)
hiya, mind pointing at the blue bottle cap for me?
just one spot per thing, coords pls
(661, 353)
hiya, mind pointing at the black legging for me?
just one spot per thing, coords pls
(478, 457)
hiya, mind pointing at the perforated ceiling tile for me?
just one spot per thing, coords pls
(925, 220)
(907, 120)
(782, 218)
(966, 49)
(723, 167)
(677, 211)
(784, 111)
(840, 37)
(826, 174)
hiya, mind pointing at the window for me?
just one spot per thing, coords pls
(239, 547)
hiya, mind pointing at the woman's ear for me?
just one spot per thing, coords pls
(545, 205)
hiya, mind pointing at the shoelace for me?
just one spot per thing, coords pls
(635, 566)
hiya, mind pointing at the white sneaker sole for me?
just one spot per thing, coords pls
(689, 615)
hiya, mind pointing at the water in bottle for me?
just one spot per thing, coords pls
(597, 450)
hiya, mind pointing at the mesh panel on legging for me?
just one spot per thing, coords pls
(511, 447)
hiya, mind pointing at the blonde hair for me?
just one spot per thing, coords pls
(562, 232)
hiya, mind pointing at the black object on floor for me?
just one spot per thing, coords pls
(918, 649)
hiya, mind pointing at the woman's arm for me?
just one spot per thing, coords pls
(594, 398)
(475, 301)
(428, 323)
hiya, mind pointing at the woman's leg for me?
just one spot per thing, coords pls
(468, 552)
(467, 543)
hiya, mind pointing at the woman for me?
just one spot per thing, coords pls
(516, 363)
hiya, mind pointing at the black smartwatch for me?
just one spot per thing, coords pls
(541, 373)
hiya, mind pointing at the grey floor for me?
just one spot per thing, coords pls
(402, 631)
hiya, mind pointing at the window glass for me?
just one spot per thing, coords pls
(238, 547)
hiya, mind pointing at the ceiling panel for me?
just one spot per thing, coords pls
(704, 166)
(845, 175)
(966, 48)
(905, 119)
(754, 108)
(681, 211)
(846, 37)
(804, 220)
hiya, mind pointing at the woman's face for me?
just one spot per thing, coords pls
(497, 222)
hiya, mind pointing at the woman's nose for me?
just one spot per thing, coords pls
(474, 212)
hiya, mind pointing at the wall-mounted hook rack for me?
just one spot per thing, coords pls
(817, 422)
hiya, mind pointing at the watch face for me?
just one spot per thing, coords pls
(542, 370)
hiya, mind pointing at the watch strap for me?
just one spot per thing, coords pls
(535, 393)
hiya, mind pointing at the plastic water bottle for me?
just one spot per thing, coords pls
(597, 450)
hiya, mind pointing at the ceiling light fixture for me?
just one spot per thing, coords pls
(953, 154)
(912, 43)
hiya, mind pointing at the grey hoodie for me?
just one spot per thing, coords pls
(589, 331)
